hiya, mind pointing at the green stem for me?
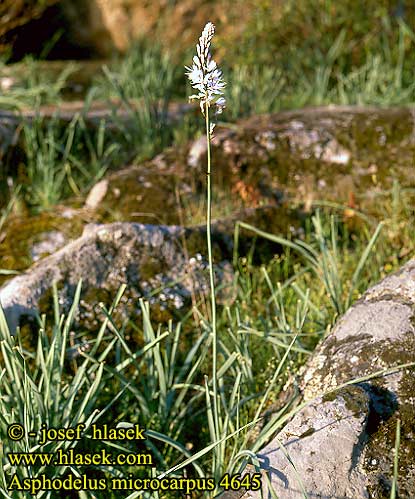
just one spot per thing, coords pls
(212, 277)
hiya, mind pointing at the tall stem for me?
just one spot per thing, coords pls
(211, 276)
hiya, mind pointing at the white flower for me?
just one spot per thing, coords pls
(205, 76)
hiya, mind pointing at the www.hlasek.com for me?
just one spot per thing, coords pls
(70, 457)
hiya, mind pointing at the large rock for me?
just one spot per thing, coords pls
(26, 239)
(316, 450)
(342, 444)
(145, 257)
(349, 155)
(96, 23)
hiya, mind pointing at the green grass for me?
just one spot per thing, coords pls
(162, 387)
(381, 78)
(63, 160)
(322, 258)
(143, 84)
(298, 37)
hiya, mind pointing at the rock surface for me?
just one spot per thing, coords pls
(96, 23)
(145, 257)
(317, 444)
(350, 155)
(342, 444)
(26, 238)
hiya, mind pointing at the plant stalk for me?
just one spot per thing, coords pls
(211, 276)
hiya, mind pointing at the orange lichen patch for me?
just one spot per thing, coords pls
(248, 193)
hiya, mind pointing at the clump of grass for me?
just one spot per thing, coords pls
(33, 87)
(35, 390)
(142, 84)
(254, 90)
(323, 259)
(45, 172)
(56, 155)
(65, 382)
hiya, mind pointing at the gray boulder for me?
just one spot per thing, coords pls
(145, 257)
(341, 445)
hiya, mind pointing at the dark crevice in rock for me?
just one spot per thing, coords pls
(383, 404)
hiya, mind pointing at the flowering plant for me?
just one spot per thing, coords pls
(206, 78)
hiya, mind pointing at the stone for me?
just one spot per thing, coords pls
(96, 24)
(96, 195)
(37, 237)
(144, 257)
(295, 157)
(335, 153)
(20, 238)
(342, 441)
(50, 242)
(197, 153)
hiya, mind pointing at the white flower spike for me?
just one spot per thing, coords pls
(205, 76)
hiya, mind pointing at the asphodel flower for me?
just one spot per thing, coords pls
(205, 76)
